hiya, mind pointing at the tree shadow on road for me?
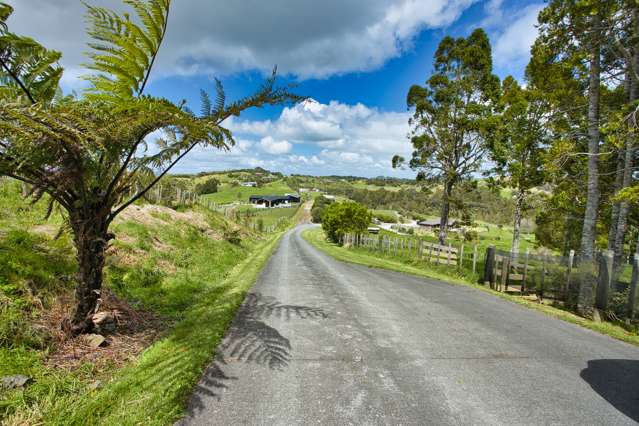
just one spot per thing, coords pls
(617, 381)
(251, 340)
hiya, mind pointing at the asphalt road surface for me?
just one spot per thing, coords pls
(323, 342)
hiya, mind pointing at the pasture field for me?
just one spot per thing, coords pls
(228, 193)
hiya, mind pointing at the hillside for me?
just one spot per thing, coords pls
(160, 271)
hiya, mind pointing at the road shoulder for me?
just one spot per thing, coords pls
(315, 237)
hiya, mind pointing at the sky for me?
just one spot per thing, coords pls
(354, 59)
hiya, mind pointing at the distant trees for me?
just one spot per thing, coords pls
(87, 153)
(343, 218)
(209, 186)
(452, 115)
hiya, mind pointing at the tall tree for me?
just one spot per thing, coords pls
(452, 114)
(519, 143)
(625, 48)
(87, 153)
(576, 30)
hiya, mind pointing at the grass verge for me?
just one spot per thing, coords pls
(154, 390)
(316, 238)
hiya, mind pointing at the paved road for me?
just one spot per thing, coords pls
(323, 342)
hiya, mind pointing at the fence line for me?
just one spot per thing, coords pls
(576, 284)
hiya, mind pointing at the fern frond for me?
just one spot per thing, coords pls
(205, 99)
(28, 71)
(220, 100)
(123, 51)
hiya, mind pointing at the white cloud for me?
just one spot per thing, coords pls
(512, 44)
(271, 146)
(334, 137)
(306, 38)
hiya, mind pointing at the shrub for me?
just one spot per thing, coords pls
(470, 235)
(342, 218)
(319, 205)
(207, 187)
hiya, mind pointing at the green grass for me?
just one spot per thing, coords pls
(362, 257)
(179, 268)
(154, 390)
(228, 194)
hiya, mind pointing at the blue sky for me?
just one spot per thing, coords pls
(355, 58)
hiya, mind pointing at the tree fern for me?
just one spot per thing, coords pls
(88, 152)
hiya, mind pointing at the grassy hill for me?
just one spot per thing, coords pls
(175, 277)
(228, 193)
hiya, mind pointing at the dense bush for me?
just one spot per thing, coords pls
(346, 217)
(317, 210)
(209, 186)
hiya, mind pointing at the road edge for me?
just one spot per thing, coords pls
(344, 255)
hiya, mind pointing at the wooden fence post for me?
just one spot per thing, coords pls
(489, 265)
(461, 256)
(542, 282)
(571, 259)
(421, 250)
(450, 252)
(604, 280)
(525, 272)
(475, 259)
(505, 269)
(632, 296)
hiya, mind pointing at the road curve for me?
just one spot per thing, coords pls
(323, 342)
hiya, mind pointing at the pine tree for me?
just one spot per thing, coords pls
(452, 115)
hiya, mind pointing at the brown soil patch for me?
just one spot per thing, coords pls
(136, 330)
(46, 229)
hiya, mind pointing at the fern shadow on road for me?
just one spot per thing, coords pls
(251, 340)
(617, 381)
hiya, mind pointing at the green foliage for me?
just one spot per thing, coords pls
(30, 73)
(209, 186)
(385, 217)
(319, 205)
(453, 115)
(345, 217)
(124, 52)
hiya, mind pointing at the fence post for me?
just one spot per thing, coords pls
(461, 256)
(542, 282)
(604, 279)
(571, 259)
(421, 250)
(475, 259)
(505, 269)
(525, 273)
(396, 243)
(488, 267)
(632, 296)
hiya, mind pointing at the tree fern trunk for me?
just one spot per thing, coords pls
(90, 236)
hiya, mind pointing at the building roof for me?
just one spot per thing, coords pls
(435, 222)
(271, 198)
